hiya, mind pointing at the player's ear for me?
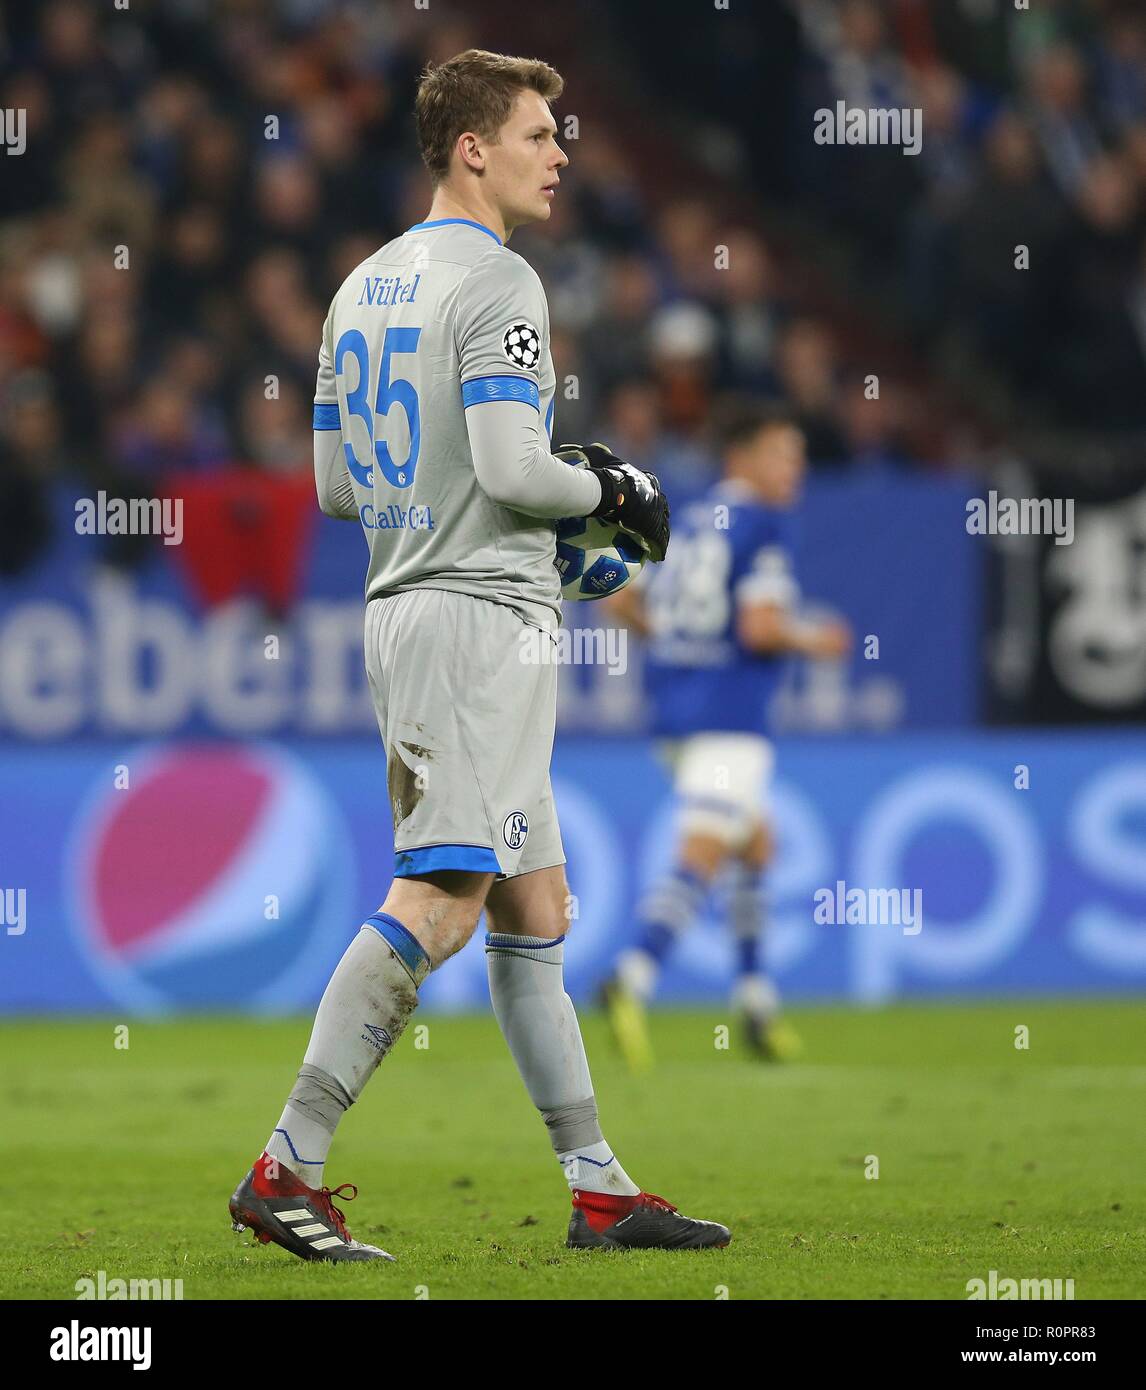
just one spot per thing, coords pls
(470, 151)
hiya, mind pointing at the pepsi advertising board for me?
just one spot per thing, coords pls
(169, 876)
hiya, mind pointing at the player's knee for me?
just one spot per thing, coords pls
(457, 929)
(439, 910)
(445, 927)
(561, 910)
(703, 854)
(548, 921)
(543, 908)
(758, 848)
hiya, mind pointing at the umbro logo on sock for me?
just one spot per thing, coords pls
(377, 1037)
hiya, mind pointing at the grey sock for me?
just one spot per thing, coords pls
(537, 1018)
(363, 1011)
(319, 1096)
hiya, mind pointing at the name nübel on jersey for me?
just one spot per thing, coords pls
(382, 291)
(395, 518)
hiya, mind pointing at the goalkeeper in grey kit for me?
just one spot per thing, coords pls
(433, 419)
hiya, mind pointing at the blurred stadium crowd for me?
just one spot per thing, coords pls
(147, 129)
(1034, 135)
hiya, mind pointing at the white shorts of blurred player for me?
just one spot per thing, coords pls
(467, 720)
(721, 782)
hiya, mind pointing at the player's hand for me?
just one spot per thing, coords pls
(629, 496)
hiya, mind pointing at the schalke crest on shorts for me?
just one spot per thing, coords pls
(515, 831)
(522, 345)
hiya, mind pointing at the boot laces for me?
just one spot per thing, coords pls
(325, 1202)
(650, 1199)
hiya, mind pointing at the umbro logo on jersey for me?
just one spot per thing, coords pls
(522, 345)
(376, 1037)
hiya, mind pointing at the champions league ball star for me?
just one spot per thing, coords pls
(595, 558)
(631, 500)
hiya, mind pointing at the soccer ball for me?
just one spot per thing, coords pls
(595, 558)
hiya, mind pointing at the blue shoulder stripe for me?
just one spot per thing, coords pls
(500, 388)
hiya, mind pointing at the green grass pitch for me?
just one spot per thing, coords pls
(1029, 1162)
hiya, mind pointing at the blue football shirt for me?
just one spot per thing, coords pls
(727, 548)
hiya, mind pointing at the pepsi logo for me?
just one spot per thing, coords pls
(221, 877)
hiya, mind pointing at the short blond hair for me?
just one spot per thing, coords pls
(474, 90)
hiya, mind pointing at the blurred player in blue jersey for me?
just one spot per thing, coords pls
(432, 422)
(720, 620)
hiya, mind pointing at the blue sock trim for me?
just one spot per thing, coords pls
(294, 1153)
(503, 939)
(747, 954)
(695, 881)
(671, 907)
(748, 904)
(657, 941)
(406, 946)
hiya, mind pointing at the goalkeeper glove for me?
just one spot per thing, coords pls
(629, 496)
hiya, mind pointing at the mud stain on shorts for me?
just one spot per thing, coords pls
(402, 779)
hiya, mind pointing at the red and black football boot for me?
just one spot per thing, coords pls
(277, 1205)
(644, 1222)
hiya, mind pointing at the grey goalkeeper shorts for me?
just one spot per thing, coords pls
(467, 721)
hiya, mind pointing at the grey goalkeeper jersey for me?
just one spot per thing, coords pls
(442, 321)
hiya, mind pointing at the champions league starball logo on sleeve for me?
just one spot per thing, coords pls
(221, 877)
(522, 345)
